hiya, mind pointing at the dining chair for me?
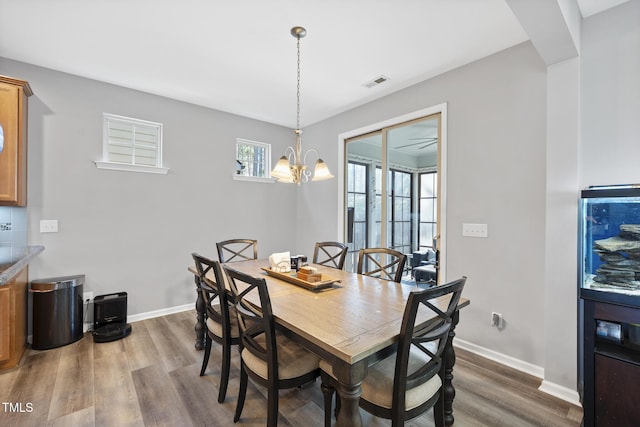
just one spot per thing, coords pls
(221, 323)
(242, 249)
(332, 254)
(269, 358)
(385, 263)
(409, 382)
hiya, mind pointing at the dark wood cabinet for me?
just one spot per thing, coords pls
(616, 390)
(611, 369)
(13, 148)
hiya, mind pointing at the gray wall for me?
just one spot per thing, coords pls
(496, 175)
(135, 232)
(611, 97)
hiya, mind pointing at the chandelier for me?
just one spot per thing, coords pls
(292, 166)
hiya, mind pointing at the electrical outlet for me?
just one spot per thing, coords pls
(87, 306)
(497, 320)
(87, 296)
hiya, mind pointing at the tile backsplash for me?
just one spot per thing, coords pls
(13, 233)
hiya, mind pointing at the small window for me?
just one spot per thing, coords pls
(131, 144)
(253, 161)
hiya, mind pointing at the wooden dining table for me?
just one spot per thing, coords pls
(351, 324)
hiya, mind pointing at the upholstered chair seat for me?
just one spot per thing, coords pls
(293, 359)
(216, 327)
(377, 387)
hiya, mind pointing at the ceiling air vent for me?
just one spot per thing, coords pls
(378, 80)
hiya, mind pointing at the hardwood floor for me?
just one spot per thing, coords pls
(151, 378)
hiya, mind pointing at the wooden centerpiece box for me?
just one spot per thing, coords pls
(309, 274)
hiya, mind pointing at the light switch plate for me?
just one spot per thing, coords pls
(49, 226)
(475, 230)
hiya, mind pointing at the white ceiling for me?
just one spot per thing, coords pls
(239, 57)
(591, 7)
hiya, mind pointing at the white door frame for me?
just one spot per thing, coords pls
(442, 172)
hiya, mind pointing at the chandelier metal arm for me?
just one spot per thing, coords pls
(290, 153)
(310, 150)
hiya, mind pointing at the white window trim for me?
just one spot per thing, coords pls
(262, 179)
(107, 165)
(130, 168)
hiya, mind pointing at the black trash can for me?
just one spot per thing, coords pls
(57, 311)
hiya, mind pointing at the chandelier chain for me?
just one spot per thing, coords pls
(292, 166)
(298, 91)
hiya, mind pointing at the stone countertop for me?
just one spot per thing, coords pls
(10, 272)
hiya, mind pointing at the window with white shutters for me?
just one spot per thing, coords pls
(131, 144)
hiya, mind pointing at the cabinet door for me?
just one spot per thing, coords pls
(5, 323)
(616, 392)
(11, 152)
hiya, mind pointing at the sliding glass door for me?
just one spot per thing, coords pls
(386, 175)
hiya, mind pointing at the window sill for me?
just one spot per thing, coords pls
(130, 168)
(264, 180)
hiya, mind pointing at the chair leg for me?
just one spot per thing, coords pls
(327, 391)
(207, 352)
(272, 407)
(224, 375)
(242, 393)
(438, 411)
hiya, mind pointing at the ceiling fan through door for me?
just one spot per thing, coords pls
(425, 142)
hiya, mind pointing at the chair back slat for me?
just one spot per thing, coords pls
(237, 250)
(385, 263)
(332, 254)
(212, 289)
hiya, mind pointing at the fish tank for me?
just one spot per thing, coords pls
(609, 248)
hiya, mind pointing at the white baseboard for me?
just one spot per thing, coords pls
(503, 359)
(561, 392)
(158, 313)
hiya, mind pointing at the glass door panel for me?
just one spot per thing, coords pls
(363, 206)
(392, 187)
(428, 209)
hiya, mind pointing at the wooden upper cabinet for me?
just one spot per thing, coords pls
(13, 145)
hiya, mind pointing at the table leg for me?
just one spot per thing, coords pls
(200, 308)
(349, 389)
(449, 361)
(349, 415)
